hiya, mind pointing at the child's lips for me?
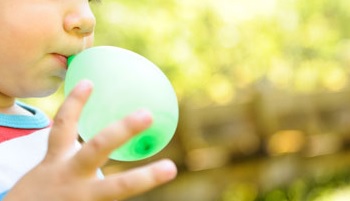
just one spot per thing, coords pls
(62, 59)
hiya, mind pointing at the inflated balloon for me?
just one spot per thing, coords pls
(124, 82)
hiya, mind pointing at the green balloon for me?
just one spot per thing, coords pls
(124, 82)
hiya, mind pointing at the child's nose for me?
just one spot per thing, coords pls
(80, 21)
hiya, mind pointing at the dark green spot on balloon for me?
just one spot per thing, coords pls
(145, 145)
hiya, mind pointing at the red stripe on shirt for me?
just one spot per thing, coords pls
(7, 133)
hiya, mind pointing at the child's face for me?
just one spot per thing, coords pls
(36, 36)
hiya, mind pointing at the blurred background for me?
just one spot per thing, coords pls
(263, 88)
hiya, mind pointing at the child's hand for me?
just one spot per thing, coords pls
(63, 176)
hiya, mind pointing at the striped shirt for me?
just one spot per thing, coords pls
(23, 144)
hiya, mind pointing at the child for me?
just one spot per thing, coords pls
(38, 160)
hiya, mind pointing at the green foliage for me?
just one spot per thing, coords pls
(330, 187)
(212, 49)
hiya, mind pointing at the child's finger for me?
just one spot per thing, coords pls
(64, 129)
(96, 151)
(133, 182)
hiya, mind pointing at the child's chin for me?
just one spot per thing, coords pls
(48, 90)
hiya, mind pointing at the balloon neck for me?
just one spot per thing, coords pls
(145, 145)
(70, 59)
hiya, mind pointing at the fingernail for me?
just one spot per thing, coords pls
(168, 168)
(85, 85)
(144, 116)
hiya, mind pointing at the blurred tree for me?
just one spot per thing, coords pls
(209, 49)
